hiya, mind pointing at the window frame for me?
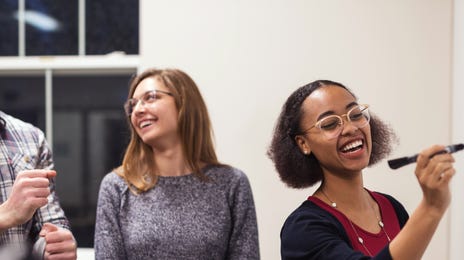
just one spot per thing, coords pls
(65, 65)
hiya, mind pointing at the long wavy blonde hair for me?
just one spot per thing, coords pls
(194, 128)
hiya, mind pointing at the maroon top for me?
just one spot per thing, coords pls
(373, 242)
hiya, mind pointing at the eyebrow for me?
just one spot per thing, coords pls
(331, 112)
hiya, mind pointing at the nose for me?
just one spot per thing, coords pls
(347, 126)
(138, 107)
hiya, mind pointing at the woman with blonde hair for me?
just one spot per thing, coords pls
(171, 198)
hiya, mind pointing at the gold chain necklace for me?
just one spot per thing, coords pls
(333, 204)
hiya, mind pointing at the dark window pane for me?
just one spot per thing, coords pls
(9, 28)
(24, 97)
(51, 27)
(89, 137)
(112, 26)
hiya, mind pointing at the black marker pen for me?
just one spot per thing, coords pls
(400, 162)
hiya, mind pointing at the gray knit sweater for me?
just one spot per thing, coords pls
(180, 218)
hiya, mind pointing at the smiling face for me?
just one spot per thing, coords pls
(347, 152)
(155, 121)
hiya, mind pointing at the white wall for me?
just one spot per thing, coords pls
(457, 204)
(247, 56)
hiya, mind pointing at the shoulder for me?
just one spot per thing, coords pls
(18, 128)
(113, 183)
(308, 220)
(17, 124)
(113, 178)
(225, 173)
(230, 181)
(309, 229)
(308, 212)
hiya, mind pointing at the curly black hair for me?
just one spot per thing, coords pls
(298, 170)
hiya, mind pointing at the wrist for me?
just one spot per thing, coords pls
(431, 210)
(6, 220)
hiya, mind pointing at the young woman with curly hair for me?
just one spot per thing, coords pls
(323, 135)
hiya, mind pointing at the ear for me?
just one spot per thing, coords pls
(303, 144)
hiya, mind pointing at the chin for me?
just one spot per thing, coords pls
(147, 138)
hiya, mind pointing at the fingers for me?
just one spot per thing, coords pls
(36, 182)
(32, 188)
(47, 228)
(60, 247)
(51, 174)
(446, 176)
(37, 174)
(35, 178)
(424, 157)
(39, 180)
(60, 243)
(62, 256)
(440, 165)
(435, 169)
(30, 191)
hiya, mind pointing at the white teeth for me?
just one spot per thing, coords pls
(144, 124)
(352, 145)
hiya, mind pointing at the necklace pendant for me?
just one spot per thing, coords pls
(334, 205)
(381, 223)
(361, 241)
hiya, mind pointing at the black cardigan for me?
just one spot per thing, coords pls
(301, 233)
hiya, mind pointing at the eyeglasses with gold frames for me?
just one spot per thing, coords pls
(331, 126)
